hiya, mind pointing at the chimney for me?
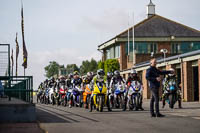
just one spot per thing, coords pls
(150, 9)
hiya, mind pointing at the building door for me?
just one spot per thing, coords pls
(196, 83)
(178, 74)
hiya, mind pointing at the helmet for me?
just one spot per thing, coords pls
(89, 74)
(116, 73)
(133, 71)
(76, 73)
(70, 75)
(61, 77)
(100, 73)
(109, 74)
(172, 72)
(52, 79)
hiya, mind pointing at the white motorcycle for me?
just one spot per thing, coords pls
(135, 95)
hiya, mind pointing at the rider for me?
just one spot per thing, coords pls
(70, 87)
(133, 77)
(62, 81)
(76, 82)
(40, 91)
(117, 78)
(171, 78)
(69, 80)
(109, 77)
(100, 77)
(88, 79)
(52, 82)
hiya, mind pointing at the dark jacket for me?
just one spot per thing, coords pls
(152, 74)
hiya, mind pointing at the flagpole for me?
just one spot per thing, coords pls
(12, 61)
(133, 30)
(128, 35)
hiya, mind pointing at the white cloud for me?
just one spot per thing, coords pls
(38, 60)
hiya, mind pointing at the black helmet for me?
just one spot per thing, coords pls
(70, 75)
(116, 73)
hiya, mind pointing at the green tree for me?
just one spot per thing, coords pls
(88, 66)
(71, 68)
(111, 65)
(100, 65)
(52, 69)
(93, 65)
(84, 68)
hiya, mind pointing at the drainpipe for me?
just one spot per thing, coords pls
(101, 53)
(182, 74)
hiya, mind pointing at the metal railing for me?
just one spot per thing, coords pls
(20, 87)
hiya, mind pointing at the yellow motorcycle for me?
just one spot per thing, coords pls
(100, 95)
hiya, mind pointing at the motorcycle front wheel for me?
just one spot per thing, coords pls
(171, 101)
(101, 103)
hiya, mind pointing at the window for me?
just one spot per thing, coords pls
(108, 54)
(142, 47)
(117, 51)
(183, 47)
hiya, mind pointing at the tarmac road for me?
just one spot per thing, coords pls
(58, 119)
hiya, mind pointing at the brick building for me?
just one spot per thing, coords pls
(187, 68)
(150, 36)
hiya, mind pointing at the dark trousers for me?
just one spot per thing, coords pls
(154, 98)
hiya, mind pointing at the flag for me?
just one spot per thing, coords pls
(12, 61)
(25, 54)
(17, 52)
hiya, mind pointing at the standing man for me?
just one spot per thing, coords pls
(153, 76)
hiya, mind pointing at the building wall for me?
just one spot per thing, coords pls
(164, 45)
(123, 57)
(187, 80)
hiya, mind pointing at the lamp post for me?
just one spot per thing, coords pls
(164, 51)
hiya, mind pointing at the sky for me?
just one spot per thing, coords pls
(69, 31)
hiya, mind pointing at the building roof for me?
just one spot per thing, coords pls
(161, 60)
(158, 26)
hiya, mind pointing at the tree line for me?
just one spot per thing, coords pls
(53, 68)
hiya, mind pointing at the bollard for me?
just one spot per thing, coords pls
(9, 98)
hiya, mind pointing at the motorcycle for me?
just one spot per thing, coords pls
(76, 96)
(63, 95)
(171, 93)
(99, 96)
(56, 96)
(87, 96)
(69, 96)
(119, 97)
(40, 96)
(51, 92)
(46, 96)
(135, 95)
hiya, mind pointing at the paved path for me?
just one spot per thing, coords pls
(58, 119)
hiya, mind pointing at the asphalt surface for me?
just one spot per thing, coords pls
(58, 119)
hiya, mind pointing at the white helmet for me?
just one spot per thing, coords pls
(89, 74)
(133, 71)
(172, 72)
